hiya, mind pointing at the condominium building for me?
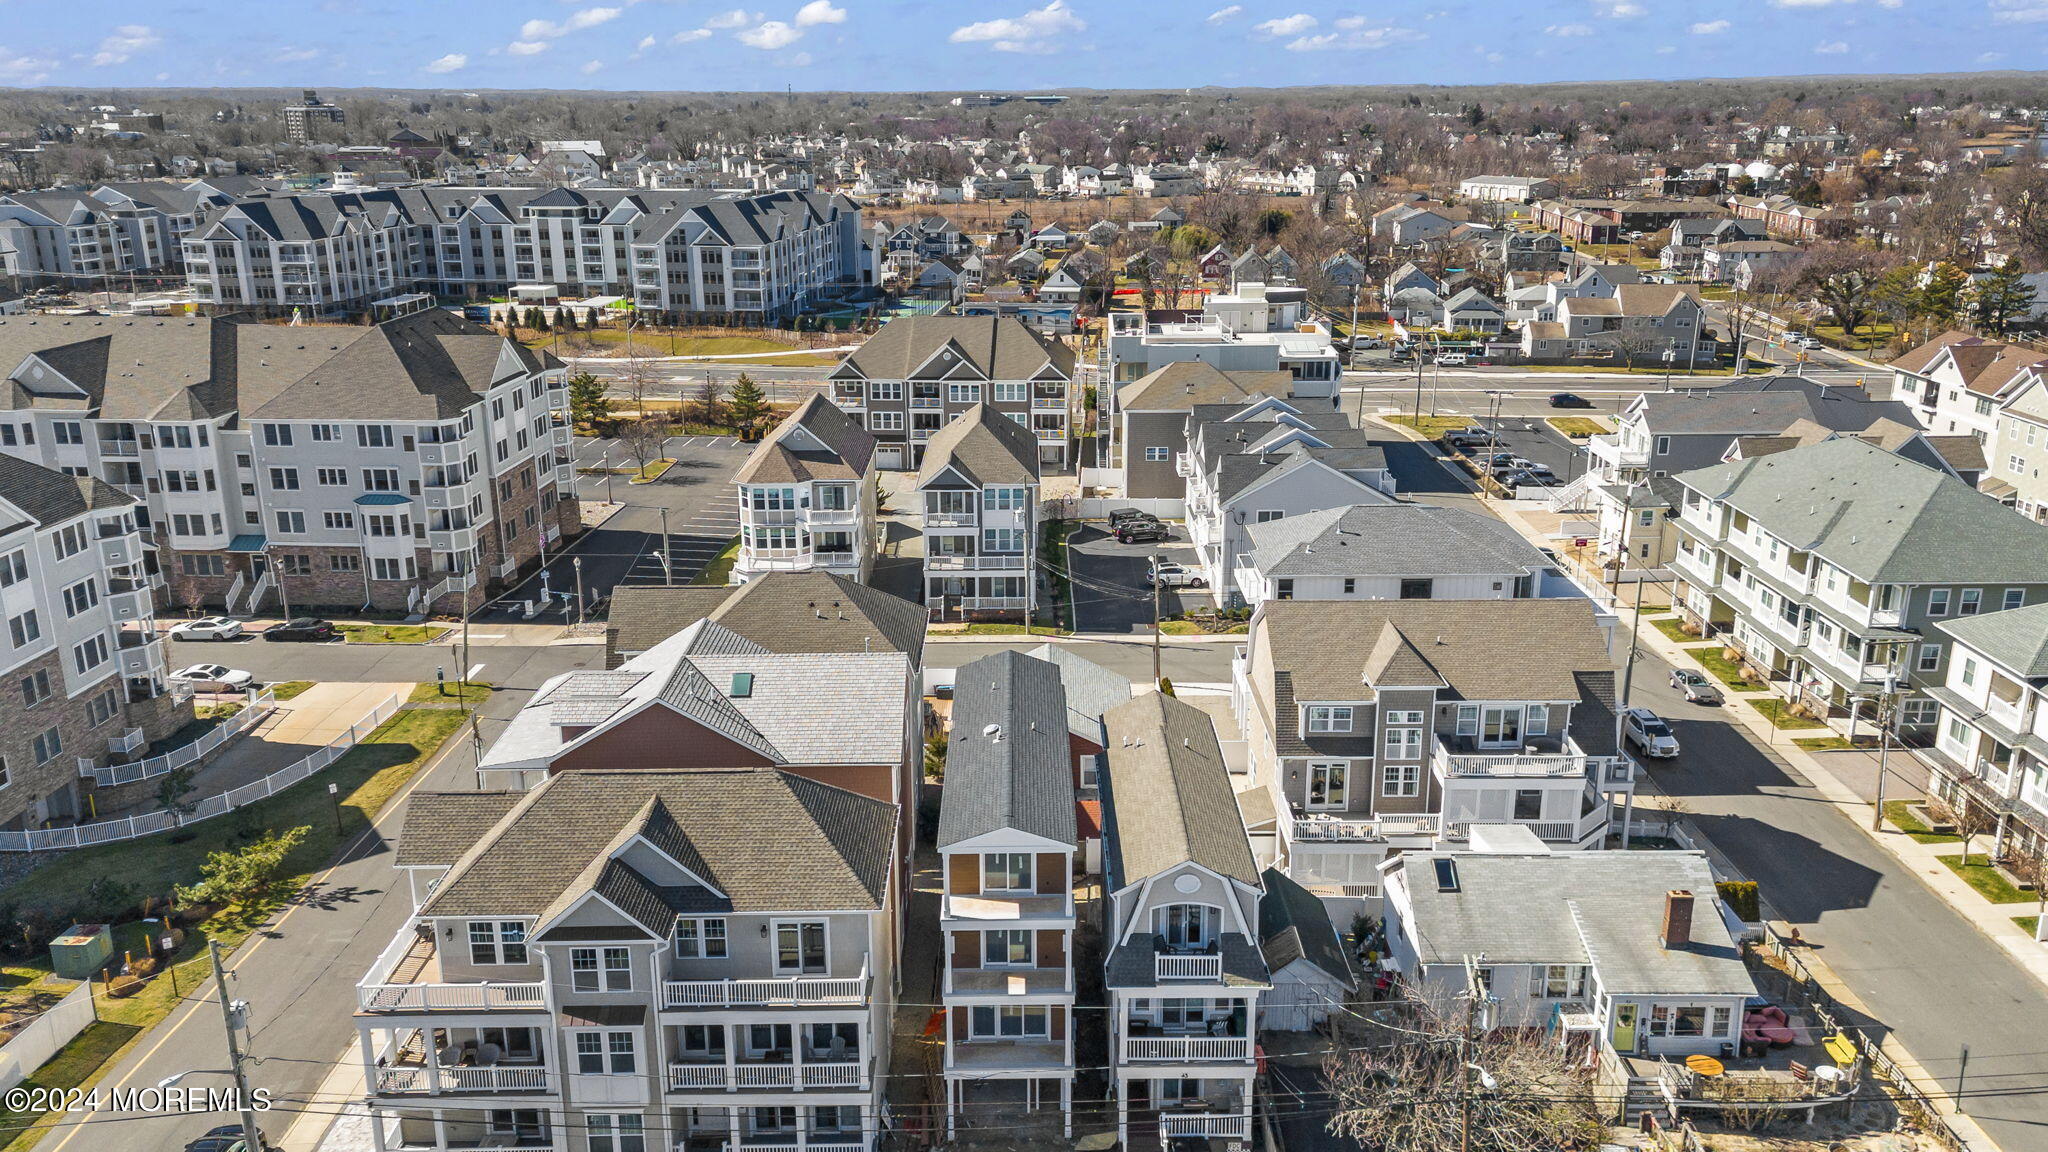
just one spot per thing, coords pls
(311, 110)
(1257, 328)
(1990, 748)
(1008, 848)
(1827, 568)
(920, 373)
(807, 497)
(979, 485)
(414, 464)
(678, 254)
(82, 665)
(626, 959)
(101, 237)
(1182, 968)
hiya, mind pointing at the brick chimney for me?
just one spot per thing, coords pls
(1677, 918)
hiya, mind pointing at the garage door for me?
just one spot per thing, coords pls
(889, 457)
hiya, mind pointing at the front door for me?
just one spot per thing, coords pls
(1500, 726)
(1624, 1028)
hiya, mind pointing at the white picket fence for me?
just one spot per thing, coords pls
(135, 827)
(253, 711)
(42, 1038)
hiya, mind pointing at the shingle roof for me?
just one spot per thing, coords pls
(985, 447)
(1767, 408)
(1390, 539)
(1527, 649)
(441, 826)
(1089, 688)
(50, 497)
(1000, 347)
(2016, 639)
(1167, 793)
(786, 612)
(818, 441)
(1008, 763)
(1880, 517)
(1294, 925)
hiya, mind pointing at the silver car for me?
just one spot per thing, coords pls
(207, 628)
(1648, 734)
(212, 678)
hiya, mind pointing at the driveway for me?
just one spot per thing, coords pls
(1110, 592)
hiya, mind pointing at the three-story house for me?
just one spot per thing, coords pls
(979, 486)
(1990, 748)
(919, 373)
(807, 497)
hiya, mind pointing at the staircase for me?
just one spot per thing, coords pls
(257, 591)
(1576, 496)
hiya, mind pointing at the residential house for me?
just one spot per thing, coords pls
(618, 959)
(1312, 974)
(1008, 846)
(1639, 324)
(1215, 264)
(1781, 215)
(1520, 251)
(1343, 272)
(1151, 426)
(1417, 223)
(979, 491)
(2014, 459)
(1473, 311)
(1249, 463)
(1182, 964)
(1258, 327)
(1507, 189)
(1827, 566)
(784, 612)
(1053, 237)
(1747, 263)
(1391, 551)
(1409, 276)
(1079, 276)
(1990, 749)
(1690, 240)
(807, 496)
(919, 373)
(1630, 947)
(1165, 182)
(1958, 383)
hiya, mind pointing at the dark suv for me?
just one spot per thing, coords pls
(1136, 531)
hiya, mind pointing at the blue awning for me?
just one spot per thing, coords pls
(373, 499)
(251, 543)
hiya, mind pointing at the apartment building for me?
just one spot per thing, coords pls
(98, 238)
(1379, 725)
(807, 497)
(1957, 382)
(979, 489)
(83, 665)
(1507, 189)
(742, 258)
(1257, 328)
(1391, 552)
(920, 373)
(1008, 848)
(1828, 567)
(1258, 462)
(1182, 965)
(2013, 461)
(303, 119)
(1990, 748)
(619, 960)
(415, 464)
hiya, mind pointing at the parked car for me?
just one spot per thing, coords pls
(305, 629)
(1360, 343)
(1168, 574)
(1540, 474)
(1569, 400)
(1648, 734)
(1803, 340)
(227, 1138)
(212, 678)
(1697, 688)
(1139, 531)
(206, 628)
(1453, 359)
(1118, 517)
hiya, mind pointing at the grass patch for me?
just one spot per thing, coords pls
(2031, 925)
(76, 1065)
(1641, 368)
(1978, 873)
(1194, 628)
(1782, 717)
(647, 343)
(1052, 552)
(652, 470)
(1578, 427)
(1720, 667)
(1673, 628)
(1869, 336)
(290, 689)
(719, 571)
(391, 633)
(459, 692)
(998, 628)
(1823, 744)
(1900, 814)
(1430, 427)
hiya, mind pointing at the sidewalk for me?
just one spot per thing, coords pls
(481, 634)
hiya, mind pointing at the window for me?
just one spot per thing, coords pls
(1187, 925)
(1678, 1020)
(1536, 721)
(1468, 720)
(1403, 744)
(291, 523)
(604, 1054)
(70, 542)
(2014, 598)
(600, 969)
(1006, 872)
(332, 477)
(1559, 981)
(1969, 672)
(1157, 455)
(1419, 589)
(700, 939)
(1401, 780)
(35, 688)
(1267, 515)
(48, 745)
(1007, 1020)
(1327, 784)
(380, 479)
(373, 435)
(1283, 589)
(81, 596)
(1663, 447)
(326, 433)
(1350, 585)
(1004, 499)
(1405, 717)
(1329, 718)
(1930, 657)
(497, 942)
(284, 479)
(341, 564)
(13, 569)
(885, 390)
(1528, 804)
(277, 435)
(1006, 947)
(1918, 713)
(963, 393)
(1002, 540)
(89, 654)
(1012, 393)
(800, 947)
(885, 421)
(1647, 518)
(1970, 602)
(338, 520)
(1937, 602)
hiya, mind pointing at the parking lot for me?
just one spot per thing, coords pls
(1110, 592)
(1533, 438)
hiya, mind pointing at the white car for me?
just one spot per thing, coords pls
(1648, 733)
(1803, 341)
(1453, 359)
(207, 628)
(1171, 575)
(212, 678)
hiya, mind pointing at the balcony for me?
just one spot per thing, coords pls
(1188, 966)
(121, 551)
(952, 519)
(1323, 828)
(1459, 759)
(827, 516)
(129, 446)
(416, 1079)
(132, 740)
(1055, 981)
(1188, 1049)
(957, 562)
(794, 991)
(130, 600)
(407, 978)
(1609, 450)
(1205, 1125)
(1049, 403)
(926, 403)
(708, 1077)
(1184, 465)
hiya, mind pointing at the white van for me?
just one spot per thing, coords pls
(1453, 359)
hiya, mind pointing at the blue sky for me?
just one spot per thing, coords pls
(890, 45)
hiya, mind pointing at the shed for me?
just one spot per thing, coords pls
(81, 951)
(1312, 975)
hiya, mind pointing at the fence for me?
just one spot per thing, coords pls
(252, 713)
(135, 827)
(30, 1048)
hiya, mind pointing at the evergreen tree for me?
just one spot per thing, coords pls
(747, 406)
(589, 406)
(2001, 299)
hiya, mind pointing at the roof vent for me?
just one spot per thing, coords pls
(994, 732)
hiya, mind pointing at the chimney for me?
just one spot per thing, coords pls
(1677, 918)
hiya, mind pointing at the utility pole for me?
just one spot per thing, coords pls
(576, 563)
(1628, 667)
(235, 1014)
(1155, 620)
(1884, 743)
(668, 577)
(1474, 989)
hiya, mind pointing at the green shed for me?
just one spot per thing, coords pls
(81, 951)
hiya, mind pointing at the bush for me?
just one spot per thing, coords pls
(1165, 686)
(1742, 899)
(122, 987)
(236, 877)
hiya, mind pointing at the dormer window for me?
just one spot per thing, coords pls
(1187, 926)
(1329, 718)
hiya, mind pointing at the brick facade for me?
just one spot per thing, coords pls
(40, 792)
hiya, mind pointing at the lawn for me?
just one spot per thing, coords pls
(1782, 717)
(647, 343)
(459, 692)
(2029, 924)
(1673, 627)
(652, 470)
(1869, 336)
(1578, 427)
(290, 689)
(1900, 814)
(1823, 743)
(719, 571)
(1052, 552)
(995, 628)
(1721, 668)
(392, 633)
(1430, 427)
(1978, 873)
(1192, 628)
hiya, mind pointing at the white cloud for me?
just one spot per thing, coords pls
(1354, 37)
(577, 21)
(23, 68)
(1620, 9)
(691, 36)
(1033, 32)
(1569, 30)
(819, 12)
(770, 35)
(591, 67)
(1990, 57)
(645, 43)
(124, 42)
(798, 60)
(737, 18)
(290, 55)
(1227, 13)
(452, 62)
(2019, 11)
(1709, 27)
(526, 47)
(1351, 22)
(1831, 47)
(1293, 25)
(1313, 43)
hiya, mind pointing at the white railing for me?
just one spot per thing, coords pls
(1187, 1048)
(498, 1078)
(128, 741)
(788, 990)
(1168, 966)
(952, 519)
(253, 712)
(1526, 765)
(235, 590)
(950, 561)
(135, 827)
(1227, 1125)
(373, 994)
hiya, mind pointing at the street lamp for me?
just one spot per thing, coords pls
(1670, 355)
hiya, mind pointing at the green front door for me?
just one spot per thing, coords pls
(1624, 1028)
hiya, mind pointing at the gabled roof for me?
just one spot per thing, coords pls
(1184, 384)
(1390, 539)
(984, 447)
(2016, 639)
(783, 612)
(1167, 796)
(1768, 407)
(818, 441)
(1294, 925)
(1008, 763)
(49, 497)
(1089, 688)
(1000, 347)
(1529, 649)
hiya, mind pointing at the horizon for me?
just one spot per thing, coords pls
(836, 46)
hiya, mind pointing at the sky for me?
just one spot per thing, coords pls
(1006, 45)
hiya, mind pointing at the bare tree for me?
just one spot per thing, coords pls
(644, 438)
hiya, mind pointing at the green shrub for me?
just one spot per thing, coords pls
(1742, 899)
